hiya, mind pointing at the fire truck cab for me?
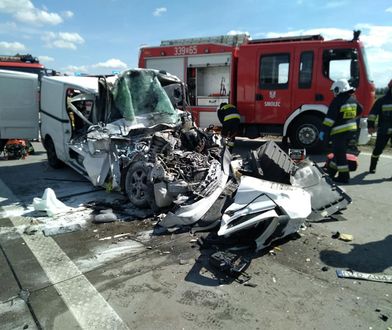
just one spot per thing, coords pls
(281, 86)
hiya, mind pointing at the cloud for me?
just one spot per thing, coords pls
(67, 14)
(334, 4)
(24, 11)
(389, 10)
(64, 40)
(327, 33)
(234, 32)
(44, 58)
(375, 35)
(71, 69)
(113, 63)
(11, 47)
(159, 11)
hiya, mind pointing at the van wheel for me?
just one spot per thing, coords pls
(304, 134)
(137, 185)
(51, 154)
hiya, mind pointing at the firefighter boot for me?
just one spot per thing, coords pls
(373, 164)
(343, 177)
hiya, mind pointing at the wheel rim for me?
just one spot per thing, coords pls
(307, 135)
(138, 186)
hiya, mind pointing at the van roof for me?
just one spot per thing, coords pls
(86, 83)
(18, 74)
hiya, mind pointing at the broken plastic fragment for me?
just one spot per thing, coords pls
(49, 203)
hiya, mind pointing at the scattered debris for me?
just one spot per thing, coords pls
(51, 231)
(104, 217)
(364, 276)
(231, 265)
(342, 237)
(346, 237)
(383, 317)
(49, 203)
(335, 235)
(325, 268)
(31, 229)
(252, 285)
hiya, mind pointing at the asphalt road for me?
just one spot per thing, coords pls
(119, 275)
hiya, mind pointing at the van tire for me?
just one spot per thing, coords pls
(137, 185)
(51, 154)
(304, 133)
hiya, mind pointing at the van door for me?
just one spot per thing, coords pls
(55, 123)
(19, 105)
(273, 85)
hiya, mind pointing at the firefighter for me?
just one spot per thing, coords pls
(340, 126)
(382, 109)
(229, 117)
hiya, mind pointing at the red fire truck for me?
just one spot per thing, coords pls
(281, 86)
(22, 63)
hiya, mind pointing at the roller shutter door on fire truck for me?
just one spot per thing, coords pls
(174, 66)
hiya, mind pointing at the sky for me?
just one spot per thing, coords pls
(102, 36)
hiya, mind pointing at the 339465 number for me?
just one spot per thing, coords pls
(185, 50)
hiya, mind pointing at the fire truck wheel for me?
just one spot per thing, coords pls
(137, 185)
(304, 133)
(51, 153)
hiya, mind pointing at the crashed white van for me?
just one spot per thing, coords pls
(103, 127)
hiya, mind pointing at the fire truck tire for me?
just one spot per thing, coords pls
(304, 133)
(51, 153)
(137, 186)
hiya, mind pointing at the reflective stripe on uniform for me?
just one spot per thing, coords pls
(349, 110)
(372, 118)
(328, 122)
(232, 116)
(332, 165)
(387, 107)
(375, 156)
(343, 168)
(344, 128)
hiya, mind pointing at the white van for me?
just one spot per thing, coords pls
(18, 105)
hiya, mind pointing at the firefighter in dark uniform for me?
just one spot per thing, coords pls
(382, 109)
(229, 117)
(340, 126)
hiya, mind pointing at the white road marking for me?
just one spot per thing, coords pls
(86, 304)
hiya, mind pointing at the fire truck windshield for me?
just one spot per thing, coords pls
(366, 65)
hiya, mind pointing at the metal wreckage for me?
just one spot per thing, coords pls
(154, 153)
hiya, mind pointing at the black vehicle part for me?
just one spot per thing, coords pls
(51, 153)
(327, 198)
(230, 264)
(270, 162)
(138, 187)
(304, 133)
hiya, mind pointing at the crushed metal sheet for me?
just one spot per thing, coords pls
(364, 276)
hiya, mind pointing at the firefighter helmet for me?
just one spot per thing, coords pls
(341, 86)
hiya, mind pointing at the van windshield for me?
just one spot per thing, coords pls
(139, 96)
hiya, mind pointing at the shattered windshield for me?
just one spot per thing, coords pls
(140, 98)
